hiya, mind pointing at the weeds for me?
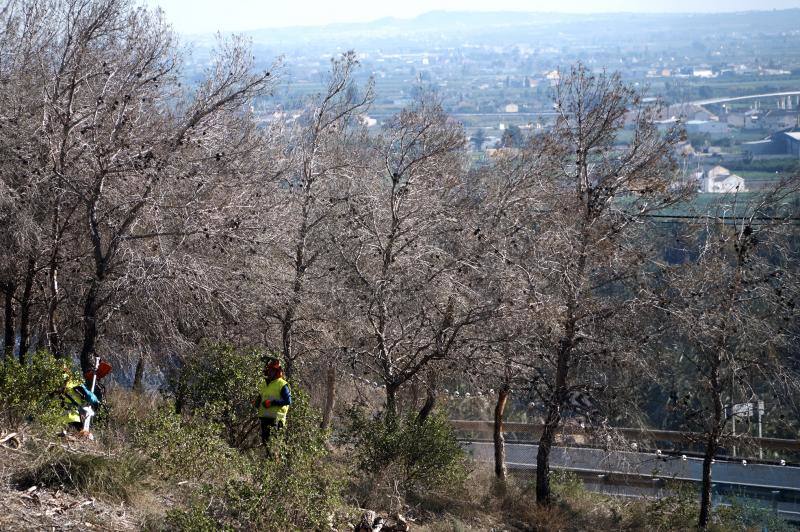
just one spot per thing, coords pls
(299, 484)
(114, 477)
(295, 486)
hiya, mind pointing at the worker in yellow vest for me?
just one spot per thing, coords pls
(274, 399)
(71, 402)
(77, 400)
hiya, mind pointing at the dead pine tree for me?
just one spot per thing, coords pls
(25, 188)
(122, 134)
(499, 439)
(301, 206)
(399, 250)
(580, 264)
(732, 308)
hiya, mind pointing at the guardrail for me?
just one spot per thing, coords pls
(673, 436)
(629, 473)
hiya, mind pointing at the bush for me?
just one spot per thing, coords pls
(221, 381)
(185, 448)
(566, 484)
(420, 457)
(195, 519)
(677, 511)
(31, 391)
(748, 515)
(295, 486)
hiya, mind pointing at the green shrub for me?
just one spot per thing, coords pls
(677, 511)
(680, 511)
(31, 391)
(748, 515)
(293, 486)
(220, 382)
(185, 448)
(420, 457)
(114, 477)
(195, 519)
(566, 484)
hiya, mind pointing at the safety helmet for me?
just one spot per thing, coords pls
(272, 368)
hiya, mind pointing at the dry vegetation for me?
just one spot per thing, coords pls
(186, 230)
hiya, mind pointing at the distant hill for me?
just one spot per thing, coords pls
(503, 28)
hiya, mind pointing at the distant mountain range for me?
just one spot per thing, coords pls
(449, 29)
(457, 21)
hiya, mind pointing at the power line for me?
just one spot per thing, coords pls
(723, 218)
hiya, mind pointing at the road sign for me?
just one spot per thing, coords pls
(746, 410)
(754, 408)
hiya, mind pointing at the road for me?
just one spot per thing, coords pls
(750, 97)
(778, 486)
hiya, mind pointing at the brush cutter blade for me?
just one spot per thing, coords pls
(103, 369)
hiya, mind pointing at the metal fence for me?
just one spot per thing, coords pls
(640, 468)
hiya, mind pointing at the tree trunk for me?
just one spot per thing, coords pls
(712, 443)
(543, 456)
(553, 420)
(330, 397)
(138, 375)
(499, 439)
(705, 490)
(391, 403)
(25, 311)
(8, 320)
(53, 337)
(89, 329)
(427, 408)
(179, 402)
(286, 337)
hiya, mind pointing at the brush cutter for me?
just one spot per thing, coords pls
(101, 369)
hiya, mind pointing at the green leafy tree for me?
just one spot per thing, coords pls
(220, 382)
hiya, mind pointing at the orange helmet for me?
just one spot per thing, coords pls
(273, 369)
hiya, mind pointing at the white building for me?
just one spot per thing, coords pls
(703, 73)
(512, 108)
(720, 180)
(707, 126)
(553, 77)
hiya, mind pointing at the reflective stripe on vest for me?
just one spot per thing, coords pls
(272, 391)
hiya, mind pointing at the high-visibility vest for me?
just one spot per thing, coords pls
(272, 391)
(73, 401)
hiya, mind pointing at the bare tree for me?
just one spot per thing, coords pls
(120, 182)
(401, 253)
(734, 319)
(23, 187)
(508, 202)
(581, 263)
(301, 205)
(123, 133)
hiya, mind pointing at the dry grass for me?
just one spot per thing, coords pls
(51, 483)
(125, 410)
(48, 506)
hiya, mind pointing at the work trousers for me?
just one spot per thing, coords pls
(268, 425)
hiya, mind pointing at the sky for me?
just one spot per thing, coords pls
(201, 16)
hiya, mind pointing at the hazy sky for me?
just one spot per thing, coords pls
(196, 16)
